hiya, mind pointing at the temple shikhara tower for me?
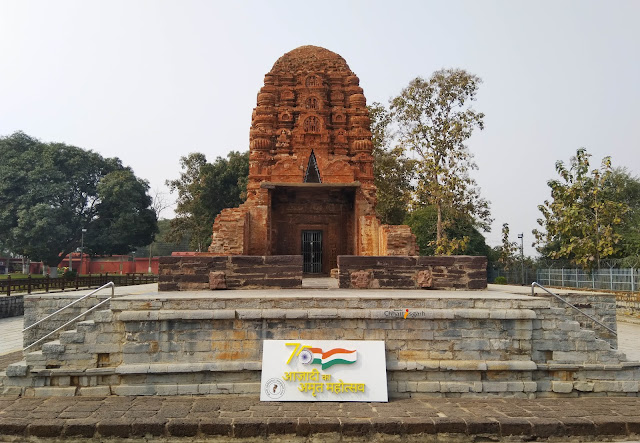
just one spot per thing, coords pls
(311, 189)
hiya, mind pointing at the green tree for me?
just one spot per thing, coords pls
(392, 170)
(626, 189)
(582, 218)
(125, 218)
(423, 222)
(435, 118)
(204, 189)
(160, 245)
(49, 192)
(508, 249)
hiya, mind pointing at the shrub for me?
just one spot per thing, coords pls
(500, 280)
(67, 274)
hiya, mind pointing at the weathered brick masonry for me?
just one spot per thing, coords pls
(450, 272)
(285, 271)
(310, 168)
(194, 273)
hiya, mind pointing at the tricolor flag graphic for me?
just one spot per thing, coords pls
(337, 356)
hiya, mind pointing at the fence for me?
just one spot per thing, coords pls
(48, 284)
(513, 276)
(609, 279)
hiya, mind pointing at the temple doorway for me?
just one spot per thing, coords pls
(312, 252)
(316, 220)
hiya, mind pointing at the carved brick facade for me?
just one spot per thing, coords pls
(311, 168)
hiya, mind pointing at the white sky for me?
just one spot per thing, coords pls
(150, 81)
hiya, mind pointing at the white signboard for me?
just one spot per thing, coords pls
(323, 370)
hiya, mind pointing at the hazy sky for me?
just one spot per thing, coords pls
(151, 81)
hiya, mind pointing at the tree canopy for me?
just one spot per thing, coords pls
(204, 189)
(392, 170)
(582, 222)
(508, 249)
(423, 223)
(49, 192)
(434, 119)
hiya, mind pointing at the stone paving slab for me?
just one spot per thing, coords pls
(11, 334)
(603, 418)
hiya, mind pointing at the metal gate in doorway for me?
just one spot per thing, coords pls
(312, 252)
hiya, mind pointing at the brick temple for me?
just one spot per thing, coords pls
(311, 189)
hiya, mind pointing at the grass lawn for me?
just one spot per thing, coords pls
(15, 276)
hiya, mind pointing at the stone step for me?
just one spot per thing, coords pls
(72, 336)
(36, 358)
(237, 388)
(53, 347)
(18, 369)
(86, 326)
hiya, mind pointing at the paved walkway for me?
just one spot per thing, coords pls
(411, 420)
(629, 340)
(11, 334)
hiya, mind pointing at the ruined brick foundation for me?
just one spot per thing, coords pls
(356, 272)
(197, 273)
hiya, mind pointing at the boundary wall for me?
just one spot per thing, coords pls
(12, 306)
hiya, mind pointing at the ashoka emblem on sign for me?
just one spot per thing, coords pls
(305, 357)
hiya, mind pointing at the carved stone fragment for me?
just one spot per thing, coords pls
(424, 279)
(361, 279)
(217, 280)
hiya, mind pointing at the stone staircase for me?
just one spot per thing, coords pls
(450, 348)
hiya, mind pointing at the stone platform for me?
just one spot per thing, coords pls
(499, 342)
(245, 419)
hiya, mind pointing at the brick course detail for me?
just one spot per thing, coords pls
(193, 273)
(410, 272)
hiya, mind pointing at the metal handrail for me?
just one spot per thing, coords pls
(73, 303)
(75, 318)
(534, 284)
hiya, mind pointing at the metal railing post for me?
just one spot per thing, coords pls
(9, 285)
(611, 278)
(633, 280)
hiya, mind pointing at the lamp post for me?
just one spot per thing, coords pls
(521, 237)
(81, 249)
